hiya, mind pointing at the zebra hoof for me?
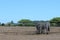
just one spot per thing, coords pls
(46, 33)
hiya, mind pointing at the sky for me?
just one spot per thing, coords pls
(28, 9)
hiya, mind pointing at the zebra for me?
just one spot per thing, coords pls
(43, 27)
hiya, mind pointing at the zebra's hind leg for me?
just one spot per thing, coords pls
(45, 31)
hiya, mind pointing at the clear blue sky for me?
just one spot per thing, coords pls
(28, 9)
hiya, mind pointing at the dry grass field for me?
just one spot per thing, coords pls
(27, 33)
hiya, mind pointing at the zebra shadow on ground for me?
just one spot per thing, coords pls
(34, 33)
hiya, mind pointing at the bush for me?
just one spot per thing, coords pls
(3, 24)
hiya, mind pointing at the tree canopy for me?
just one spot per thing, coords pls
(24, 21)
(56, 19)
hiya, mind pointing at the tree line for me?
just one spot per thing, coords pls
(27, 22)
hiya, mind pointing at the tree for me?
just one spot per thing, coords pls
(3, 24)
(55, 21)
(25, 22)
(10, 23)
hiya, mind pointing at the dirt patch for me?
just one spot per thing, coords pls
(27, 33)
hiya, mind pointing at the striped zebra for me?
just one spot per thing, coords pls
(43, 27)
